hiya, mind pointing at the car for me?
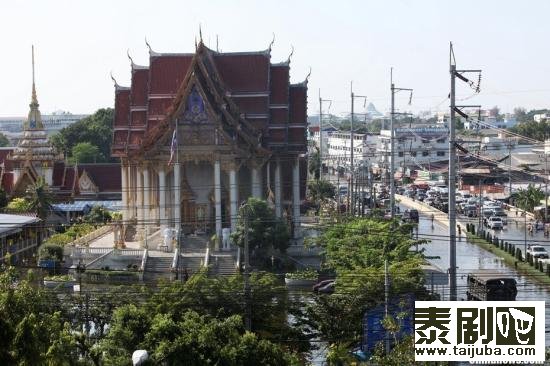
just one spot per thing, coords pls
(428, 201)
(321, 284)
(469, 210)
(537, 251)
(495, 223)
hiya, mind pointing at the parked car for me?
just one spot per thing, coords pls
(495, 223)
(537, 251)
(410, 215)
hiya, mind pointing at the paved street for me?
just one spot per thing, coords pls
(470, 257)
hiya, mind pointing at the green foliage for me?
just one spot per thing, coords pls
(314, 164)
(188, 339)
(98, 215)
(59, 239)
(79, 230)
(4, 141)
(532, 129)
(528, 199)
(40, 199)
(321, 190)
(266, 232)
(356, 251)
(85, 152)
(95, 130)
(19, 204)
(306, 274)
(51, 251)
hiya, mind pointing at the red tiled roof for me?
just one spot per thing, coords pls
(107, 177)
(244, 72)
(138, 94)
(167, 73)
(298, 104)
(279, 84)
(252, 105)
(4, 154)
(122, 107)
(69, 181)
(138, 118)
(7, 182)
(58, 171)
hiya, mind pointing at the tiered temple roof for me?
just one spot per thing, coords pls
(34, 145)
(256, 92)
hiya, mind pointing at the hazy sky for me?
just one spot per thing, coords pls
(79, 43)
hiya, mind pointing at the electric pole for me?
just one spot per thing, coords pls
(321, 100)
(248, 316)
(392, 143)
(386, 301)
(452, 184)
(352, 137)
(452, 165)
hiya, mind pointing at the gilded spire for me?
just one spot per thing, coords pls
(34, 120)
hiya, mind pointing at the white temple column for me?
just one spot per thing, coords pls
(124, 189)
(162, 198)
(296, 197)
(233, 197)
(278, 190)
(256, 181)
(218, 201)
(48, 175)
(139, 198)
(146, 201)
(177, 196)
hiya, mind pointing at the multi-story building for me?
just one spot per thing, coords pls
(52, 122)
(338, 150)
(414, 147)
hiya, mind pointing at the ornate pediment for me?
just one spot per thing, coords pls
(194, 112)
(86, 184)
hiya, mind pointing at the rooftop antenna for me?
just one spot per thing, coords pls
(217, 44)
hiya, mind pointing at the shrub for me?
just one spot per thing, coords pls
(306, 274)
(59, 239)
(19, 205)
(51, 251)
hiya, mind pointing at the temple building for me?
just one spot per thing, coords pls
(198, 133)
(35, 158)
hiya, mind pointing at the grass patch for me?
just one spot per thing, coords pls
(522, 267)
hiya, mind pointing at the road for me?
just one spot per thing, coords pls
(470, 257)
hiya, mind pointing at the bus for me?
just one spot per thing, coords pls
(490, 285)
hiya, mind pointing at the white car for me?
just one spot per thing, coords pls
(537, 251)
(495, 223)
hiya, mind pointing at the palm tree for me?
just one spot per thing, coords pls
(528, 199)
(40, 199)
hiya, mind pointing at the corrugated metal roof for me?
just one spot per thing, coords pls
(14, 223)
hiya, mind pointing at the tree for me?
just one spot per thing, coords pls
(265, 231)
(84, 152)
(18, 204)
(321, 190)
(40, 199)
(4, 141)
(95, 129)
(191, 339)
(315, 164)
(98, 215)
(528, 199)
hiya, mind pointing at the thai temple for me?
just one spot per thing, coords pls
(35, 158)
(199, 133)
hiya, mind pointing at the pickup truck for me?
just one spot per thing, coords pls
(495, 223)
(537, 251)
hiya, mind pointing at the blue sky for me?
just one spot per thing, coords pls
(79, 43)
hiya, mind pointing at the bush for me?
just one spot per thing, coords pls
(306, 274)
(51, 251)
(59, 239)
(19, 205)
(78, 230)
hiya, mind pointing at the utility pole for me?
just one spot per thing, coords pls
(452, 166)
(392, 143)
(452, 184)
(352, 137)
(386, 301)
(510, 169)
(248, 316)
(321, 100)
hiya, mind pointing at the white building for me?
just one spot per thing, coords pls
(338, 152)
(414, 147)
(52, 122)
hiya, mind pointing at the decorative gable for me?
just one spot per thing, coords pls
(86, 184)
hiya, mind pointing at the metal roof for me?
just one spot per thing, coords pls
(10, 224)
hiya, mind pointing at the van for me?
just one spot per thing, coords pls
(490, 285)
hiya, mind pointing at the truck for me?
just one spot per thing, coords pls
(491, 285)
